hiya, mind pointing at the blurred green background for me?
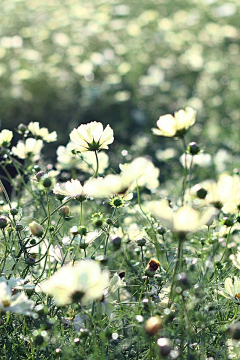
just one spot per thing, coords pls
(67, 62)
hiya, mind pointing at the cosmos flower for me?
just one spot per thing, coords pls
(92, 137)
(5, 138)
(184, 220)
(177, 125)
(30, 148)
(225, 193)
(81, 283)
(231, 289)
(139, 172)
(18, 303)
(86, 161)
(72, 188)
(41, 133)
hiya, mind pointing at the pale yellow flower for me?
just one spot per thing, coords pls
(66, 160)
(72, 188)
(5, 138)
(18, 303)
(30, 148)
(92, 137)
(139, 172)
(184, 220)
(41, 133)
(176, 125)
(231, 289)
(82, 283)
(225, 193)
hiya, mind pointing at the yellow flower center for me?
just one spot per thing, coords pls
(237, 296)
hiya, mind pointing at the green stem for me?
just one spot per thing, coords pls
(97, 164)
(185, 170)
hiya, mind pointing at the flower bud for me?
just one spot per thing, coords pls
(193, 148)
(228, 221)
(3, 222)
(152, 267)
(30, 261)
(46, 181)
(22, 128)
(161, 230)
(153, 325)
(36, 229)
(13, 211)
(116, 242)
(19, 227)
(64, 211)
(165, 346)
(141, 242)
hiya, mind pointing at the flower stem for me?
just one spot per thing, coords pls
(185, 170)
(97, 164)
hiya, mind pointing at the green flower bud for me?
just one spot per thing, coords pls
(3, 222)
(13, 211)
(193, 148)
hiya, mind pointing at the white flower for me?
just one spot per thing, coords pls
(110, 295)
(19, 284)
(31, 147)
(92, 137)
(72, 188)
(184, 220)
(85, 162)
(18, 303)
(225, 193)
(202, 160)
(41, 133)
(176, 125)
(5, 138)
(82, 283)
(231, 289)
(134, 172)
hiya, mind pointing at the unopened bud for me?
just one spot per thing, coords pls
(165, 346)
(153, 325)
(36, 229)
(116, 242)
(152, 267)
(64, 211)
(22, 128)
(141, 242)
(3, 222)
(193, 148)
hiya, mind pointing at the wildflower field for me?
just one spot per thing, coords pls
(119, 180)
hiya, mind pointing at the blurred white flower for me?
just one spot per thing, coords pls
(18, 303)
(176, 125)
(85, 161)
(110, 295)
(72, 188)
(133, 174)
(224, 194)
(19, 284)
(30, 148)
(41, 133)
(5, 138)
(92, 137)
(231, 289)
(184, 220)
(202, 160)
(82, 283)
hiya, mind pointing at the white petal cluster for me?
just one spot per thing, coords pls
(30, 148)
(139, 172)
(176, 125)
(72, 188)
(18, 303)
(42, 133)
(85, 162)
(92, 137)
(184, 220)
(82, 283)
(225, 193)
(231, 289)
(5, 137)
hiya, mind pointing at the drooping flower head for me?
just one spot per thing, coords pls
(92, 137)
(177, 125)
(81, 283)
